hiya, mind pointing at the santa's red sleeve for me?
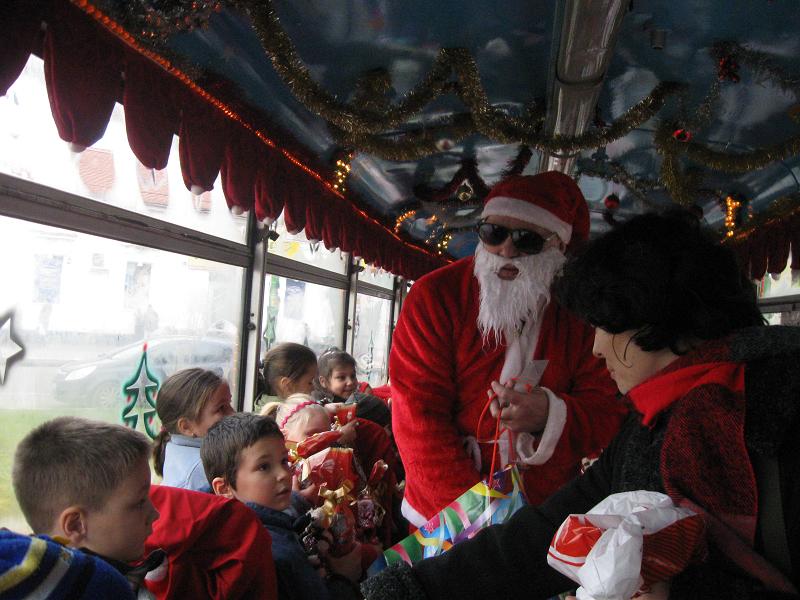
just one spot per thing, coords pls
(216, 548)
(424, 397)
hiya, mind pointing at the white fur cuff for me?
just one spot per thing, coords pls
(548, 440)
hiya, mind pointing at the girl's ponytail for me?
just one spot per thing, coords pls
(159, 450)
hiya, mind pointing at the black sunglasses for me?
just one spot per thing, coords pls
(525, 240)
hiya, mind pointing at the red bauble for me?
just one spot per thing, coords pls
(611, 202)
(682, 135)
(727, 69)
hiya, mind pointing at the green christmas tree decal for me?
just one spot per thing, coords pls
(140, 390)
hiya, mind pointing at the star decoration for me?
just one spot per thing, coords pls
(139, 401)
(8, 347)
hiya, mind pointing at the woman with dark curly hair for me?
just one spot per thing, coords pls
(716, 411)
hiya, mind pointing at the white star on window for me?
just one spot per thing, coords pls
(8, 348)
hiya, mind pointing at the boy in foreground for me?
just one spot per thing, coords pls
(86, 484)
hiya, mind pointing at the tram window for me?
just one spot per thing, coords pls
(786, 284)
(375, 276)
(779, 297)
(108, 171)
(791, 317)
(296, 246)
(82, 327)
(302, 312)
(370, 335)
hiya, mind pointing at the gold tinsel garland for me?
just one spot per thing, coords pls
(671, 149)
(359, 123)
(348, 117)
(746, 161)
(362, 124)
(423, 142)
(760, 63)
(365, 122)
(615, 172)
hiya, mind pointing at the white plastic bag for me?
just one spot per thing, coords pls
(603, 550)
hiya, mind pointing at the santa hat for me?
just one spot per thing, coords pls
(551, 200)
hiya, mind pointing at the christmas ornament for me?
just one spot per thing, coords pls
(682, 135)
(612, 202)
(727, 69)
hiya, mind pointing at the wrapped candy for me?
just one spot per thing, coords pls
(336, 516)
(369, 510)
(316, 443)
(626, 543)
(330, 467)
(346, 413)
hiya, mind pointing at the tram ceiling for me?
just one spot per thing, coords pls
(429, 103)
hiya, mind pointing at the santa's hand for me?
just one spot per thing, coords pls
(520, 411)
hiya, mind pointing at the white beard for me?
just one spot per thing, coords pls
(505, 306)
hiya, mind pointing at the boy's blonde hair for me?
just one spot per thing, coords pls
(71, 461)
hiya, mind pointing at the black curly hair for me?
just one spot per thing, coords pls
(664, 276)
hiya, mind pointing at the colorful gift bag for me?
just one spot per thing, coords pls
(626, 543)
(479, 507)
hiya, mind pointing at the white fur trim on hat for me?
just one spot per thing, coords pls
(505, 206)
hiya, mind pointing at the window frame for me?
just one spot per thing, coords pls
(37, 203)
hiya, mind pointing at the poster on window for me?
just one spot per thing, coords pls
(295, 298)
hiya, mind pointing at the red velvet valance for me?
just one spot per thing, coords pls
(768, 248)
(88, 68)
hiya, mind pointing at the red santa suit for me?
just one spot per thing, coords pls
(441, 368)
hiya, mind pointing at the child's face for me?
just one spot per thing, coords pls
(263, 475)
(313, 419)
(303, 384)
(342, 382)
(120, 528)
(217, 407)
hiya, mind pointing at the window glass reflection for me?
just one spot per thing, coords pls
(82, 308)
(302, 312)
(370, 335)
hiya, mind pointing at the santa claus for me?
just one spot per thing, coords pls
(484, 329)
